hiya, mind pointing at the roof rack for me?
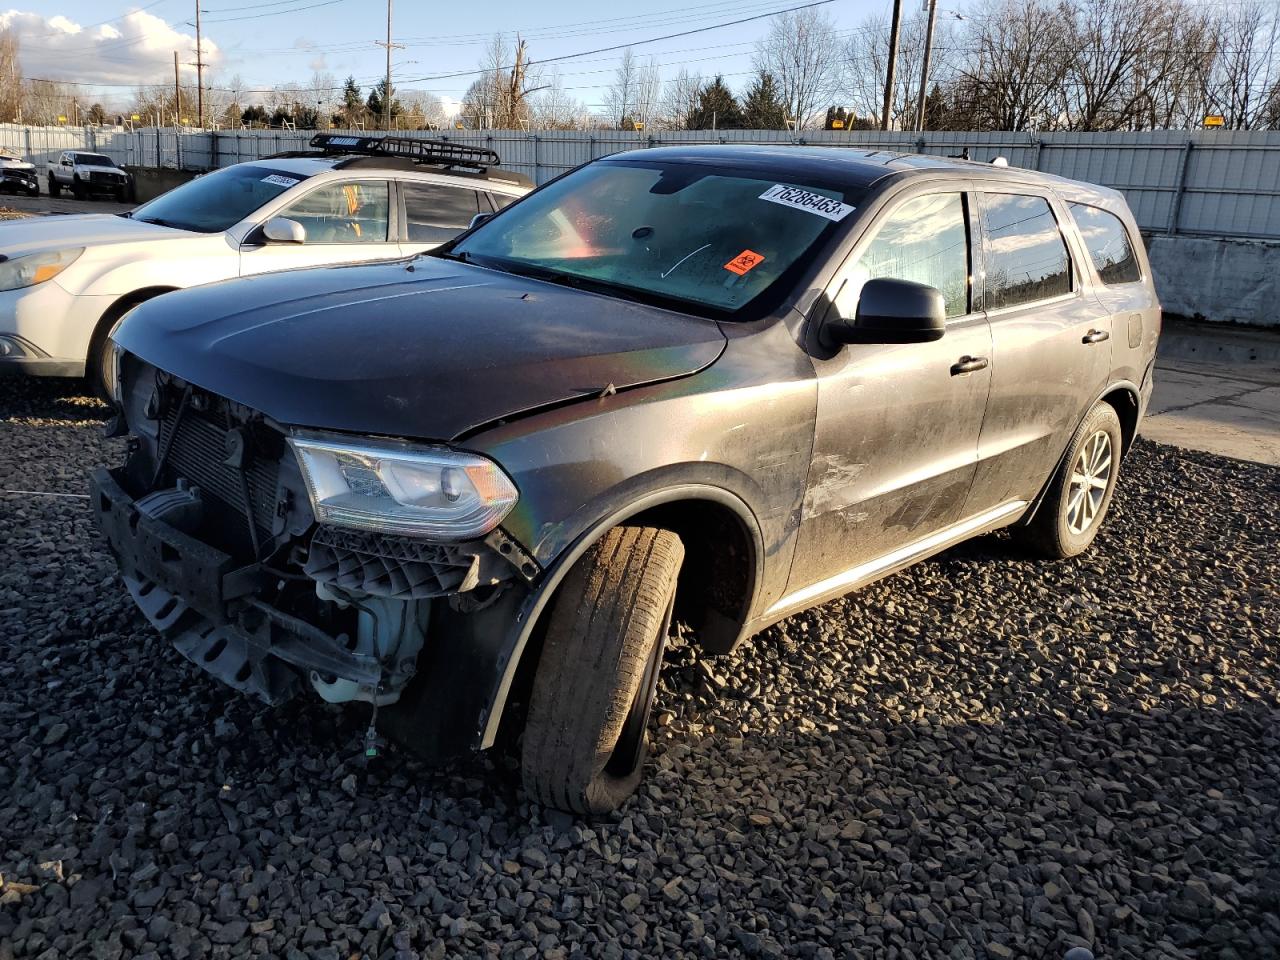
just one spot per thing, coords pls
(409, 148)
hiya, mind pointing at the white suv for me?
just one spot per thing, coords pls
(65, 282)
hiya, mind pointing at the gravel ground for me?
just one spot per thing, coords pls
(984, 756)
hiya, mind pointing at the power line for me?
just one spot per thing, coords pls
(621, 46)
(276, 13)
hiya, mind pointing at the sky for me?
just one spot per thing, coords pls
(112, 50)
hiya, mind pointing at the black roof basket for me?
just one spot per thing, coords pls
(410, 148)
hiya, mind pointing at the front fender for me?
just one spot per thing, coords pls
(120, 270)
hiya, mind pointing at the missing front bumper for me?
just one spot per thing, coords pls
(196, 596)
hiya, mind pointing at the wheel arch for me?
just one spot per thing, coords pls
(696, 512)
(1122, 396)
(118, 309)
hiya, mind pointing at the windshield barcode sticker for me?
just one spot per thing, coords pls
(808, 201)
(280, 181)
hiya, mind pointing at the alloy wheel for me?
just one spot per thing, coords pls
(1090, 477)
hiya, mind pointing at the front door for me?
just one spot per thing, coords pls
(344, 223)
(1050, 348)
(897, 424)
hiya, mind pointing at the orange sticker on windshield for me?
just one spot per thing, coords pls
(743, 262)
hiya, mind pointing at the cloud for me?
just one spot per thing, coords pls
(136, 48)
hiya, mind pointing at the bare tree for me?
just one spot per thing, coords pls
(422, 109)
(554, 108)
(497, 98)
(1239, 84)
(866, 58)
(802, 53)
(11, 86)
(620, 100)
(679, 100)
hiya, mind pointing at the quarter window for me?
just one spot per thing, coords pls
(1107, 241)
(436, 213)
(343, 213)
(1026, 256)
(924, 240)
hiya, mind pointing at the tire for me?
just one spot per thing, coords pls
(1080, 492)
(98, 374)
(585, 739)
(122, 195)
(77, 188)
(55, 188)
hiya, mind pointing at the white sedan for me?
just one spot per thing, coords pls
(66, 281)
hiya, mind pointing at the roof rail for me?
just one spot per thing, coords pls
(410, 148)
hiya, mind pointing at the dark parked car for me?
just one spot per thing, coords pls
(718, 384)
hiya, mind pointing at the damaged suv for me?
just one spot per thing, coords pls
(718, 384)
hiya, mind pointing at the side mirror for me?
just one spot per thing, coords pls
(284, 230)
(893, 311)
(478, 219)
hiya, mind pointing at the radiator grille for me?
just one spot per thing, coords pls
(198, 451)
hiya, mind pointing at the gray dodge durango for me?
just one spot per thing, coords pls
(473, 489)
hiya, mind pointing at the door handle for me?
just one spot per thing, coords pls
(968, 365)
(1095, 336)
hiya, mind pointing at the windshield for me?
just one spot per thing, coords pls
(706, 237)
(94, 160)
(218, 200)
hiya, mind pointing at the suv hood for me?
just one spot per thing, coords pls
(429, 349)
(35, 234)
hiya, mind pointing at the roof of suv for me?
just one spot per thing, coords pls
(318, 163)
(861, 168)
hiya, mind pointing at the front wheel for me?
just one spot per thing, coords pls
(55, 188)
(77, 188)
(585, 740)
(1081, 490)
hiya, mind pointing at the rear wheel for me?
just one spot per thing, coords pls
(585, 740)
(1081, 490)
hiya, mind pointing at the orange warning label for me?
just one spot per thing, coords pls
(743, 262)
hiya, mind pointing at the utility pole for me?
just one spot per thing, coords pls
(924, 70)
(177, 93)
(199, 69)
(893, 64)
(386, 90)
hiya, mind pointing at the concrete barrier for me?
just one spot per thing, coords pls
(1236, 281)
(150, 182)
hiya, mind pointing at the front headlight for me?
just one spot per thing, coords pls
(36, 268)
(397, 488)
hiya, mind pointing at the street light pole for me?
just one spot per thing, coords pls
(893, 64)
(924, 70)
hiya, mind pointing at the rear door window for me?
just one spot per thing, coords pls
(1108, 243)
(1026, 257)
(436, 213)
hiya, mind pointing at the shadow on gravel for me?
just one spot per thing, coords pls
(49, 402)
(983, 756)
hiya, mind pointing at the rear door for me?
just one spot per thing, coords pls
(436, 211)
(1122, 290)
(1050, 345)
(345, 222)
(897, 426)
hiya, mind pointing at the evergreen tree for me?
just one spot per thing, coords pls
(353, 107)
(255, 114)
(717, 108)
(374, 103)
(762, 107)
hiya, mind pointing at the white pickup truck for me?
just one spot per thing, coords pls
(87, 173)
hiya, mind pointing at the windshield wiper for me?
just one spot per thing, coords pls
(161, 222)
(462, 257)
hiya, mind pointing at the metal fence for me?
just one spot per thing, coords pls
(1202, 183)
